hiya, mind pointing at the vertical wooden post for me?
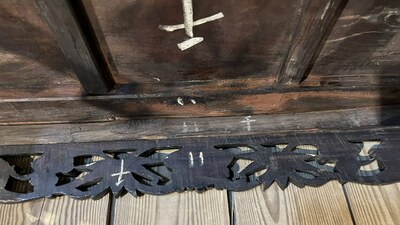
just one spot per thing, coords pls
(74, 34)
(315, 20)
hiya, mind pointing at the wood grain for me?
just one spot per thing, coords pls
(65, 210)
(374, 204)
(21, 214)
(67, 20)
(247, 43)
(315, 20)
(362, 48)
(31, 63)
(210, 207)
(196, 127)
(95, 109)
(323, 205)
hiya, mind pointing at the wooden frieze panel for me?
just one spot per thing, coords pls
(85, 170)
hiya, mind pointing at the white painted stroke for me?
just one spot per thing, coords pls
(191, 160)
(190, 43)
(120, 174)
(188, 16)
(172, 28)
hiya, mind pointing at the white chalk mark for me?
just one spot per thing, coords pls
(189, 43)
(120, 174)
(188, 17)
(193, 101)
(201, 158)
(157, 79)
(325, 10)
(172, 28)
(188, 25)
(248, 122)
(191, 160)
(185, 127)
(180, 101)
(90, 164)
(196, 127)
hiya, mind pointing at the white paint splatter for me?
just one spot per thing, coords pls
(180, 101)
(191, 160)
(248, 122)
(193, 101)
(201, 158)
(157, 79)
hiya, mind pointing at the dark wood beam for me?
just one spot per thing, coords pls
(313, 24)
(75, 36)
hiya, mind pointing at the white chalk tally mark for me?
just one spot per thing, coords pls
(191, 160)
(247, 120)
(188, 25)
(120, 174)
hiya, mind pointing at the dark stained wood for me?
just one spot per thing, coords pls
(93, 169)
(105, 108)
(31, 63)
(157, 129)
(248, 43)
(73, 33)
(315, 18)
(363, 48)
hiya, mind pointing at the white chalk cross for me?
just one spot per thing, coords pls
(248, 122)
(188, 25)
(120, 174)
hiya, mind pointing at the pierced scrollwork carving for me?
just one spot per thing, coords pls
(84, 170)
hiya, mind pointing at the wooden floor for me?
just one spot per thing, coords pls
(332, 203)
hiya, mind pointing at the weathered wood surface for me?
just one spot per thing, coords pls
(210, 207)
(322, 205)
(58, 211)
(363, 48)
(314, 22)
(199, 127)
(374, 204)
(105, 108)
(248, 42)
(72, 30)
(31, 63)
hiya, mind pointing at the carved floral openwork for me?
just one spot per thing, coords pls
(84, 170)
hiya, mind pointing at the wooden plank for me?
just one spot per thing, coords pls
(322, 205)
(315, 19)
(196, 127)
(65, 210)
(21, 214)
(248, 42)
(73, 32)
(31, 63)
(374, 204)
(363, 47)
(105, 108)
(62, 210)
(210, 207)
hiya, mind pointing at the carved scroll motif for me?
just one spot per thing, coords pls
(84, 170)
